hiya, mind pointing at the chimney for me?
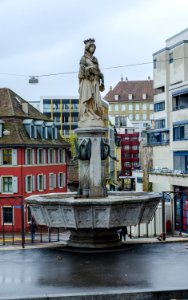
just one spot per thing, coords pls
(25, 107)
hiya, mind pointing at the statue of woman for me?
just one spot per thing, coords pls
(91, 82)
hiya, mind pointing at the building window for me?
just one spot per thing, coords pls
(144, 117)
(137, 117)
(110, 107)
(116, 97)
(7, 156)
(126, 147)
(130, 117)
(41, 182)
(130, 107)
(29, 156)
(181, 161)
(116, 107)
(171, 59)
(144, 106)
(139, 180)
(137, 106)
(159, 124)
(61, 156)
(135, 147)
(61, 180)
(41, 156)
(51, 156)
(135, 164)
(123, 107)
(7, 185)
(158, 138)
(127, 164)
(130, 96)
(29, 183)
(7, 215)
(52, 181)
(179, 133)
(151, 116)
(160, 106)
(151, 106)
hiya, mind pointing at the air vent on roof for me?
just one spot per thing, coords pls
(25, 107)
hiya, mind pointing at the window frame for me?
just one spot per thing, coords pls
(12, 209)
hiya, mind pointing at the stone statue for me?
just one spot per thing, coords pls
(91, 83)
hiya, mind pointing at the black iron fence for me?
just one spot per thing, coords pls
(15, 224)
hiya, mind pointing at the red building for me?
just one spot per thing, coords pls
(129, 152)
(32, 157)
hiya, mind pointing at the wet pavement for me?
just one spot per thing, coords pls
(131, 268)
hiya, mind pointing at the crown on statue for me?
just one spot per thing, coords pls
(89, 41)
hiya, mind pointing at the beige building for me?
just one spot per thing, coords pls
(131, 104)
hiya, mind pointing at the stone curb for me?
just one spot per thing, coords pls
(141, 295)
(64, 243)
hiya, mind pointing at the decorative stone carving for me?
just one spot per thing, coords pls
(38, 212)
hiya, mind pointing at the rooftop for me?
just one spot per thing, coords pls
(137, 88)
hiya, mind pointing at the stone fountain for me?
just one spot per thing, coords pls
(93, 216)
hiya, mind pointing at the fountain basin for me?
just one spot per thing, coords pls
(94, 222)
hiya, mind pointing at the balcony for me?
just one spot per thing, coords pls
(180, 100)
(158, 137)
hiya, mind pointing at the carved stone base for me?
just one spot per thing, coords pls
(87, 122)
(93, 222)
(94, 238)
(92, 171)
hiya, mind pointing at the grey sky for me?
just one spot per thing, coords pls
(46, 36)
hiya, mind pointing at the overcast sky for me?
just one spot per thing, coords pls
(46, 36)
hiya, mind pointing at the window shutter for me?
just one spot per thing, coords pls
(49, 156)
(44, 179)
(38, 182)
(58, 180)
(54, 183)
(44, 156)
(33, 156)
(63, 155)
(37, 156)
(64, 179)
(33, 183)
(0, 156)
(26, 160)
(26, 184)
(0, 184)
(15, 184)
(14, 157)
(54, 156)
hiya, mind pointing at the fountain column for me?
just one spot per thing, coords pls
(92, 170)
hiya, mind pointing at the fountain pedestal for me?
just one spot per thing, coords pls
(91, 167)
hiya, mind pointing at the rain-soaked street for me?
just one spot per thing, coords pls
(137, 267)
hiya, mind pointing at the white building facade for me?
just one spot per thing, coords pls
(169, 139)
